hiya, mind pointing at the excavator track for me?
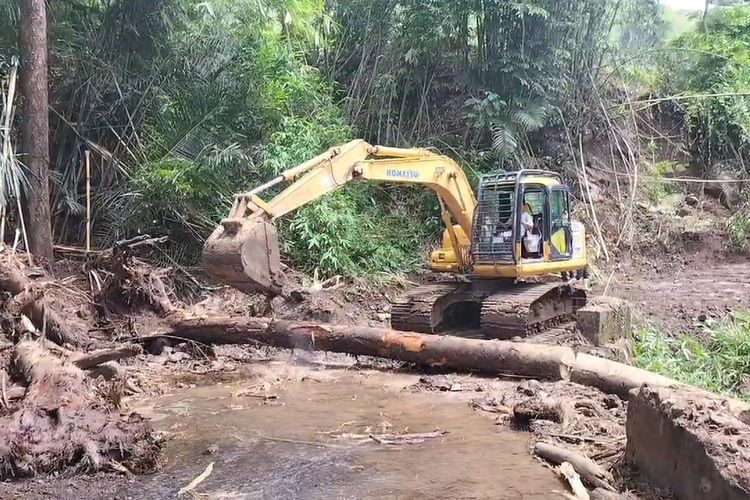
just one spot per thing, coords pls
(490, 309)
(413, 312)
(528, 308)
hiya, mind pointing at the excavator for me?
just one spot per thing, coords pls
(510, 254)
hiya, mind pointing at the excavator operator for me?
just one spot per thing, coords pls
(527, 220)
(529, 232)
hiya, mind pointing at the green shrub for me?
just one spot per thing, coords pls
(711, 61)
(358, 230)
(654, 189)
(738, 230)
(719, 362)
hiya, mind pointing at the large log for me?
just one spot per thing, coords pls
(455, 353)
(615, 378)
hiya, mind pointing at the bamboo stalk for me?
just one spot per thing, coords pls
(23, 227)
(6, 135)
(2, 225)
(88, 200)
(598, 228)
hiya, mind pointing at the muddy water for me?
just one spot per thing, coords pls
(280, 448)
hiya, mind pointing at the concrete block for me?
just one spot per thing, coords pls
(604, 320)
(689, 442)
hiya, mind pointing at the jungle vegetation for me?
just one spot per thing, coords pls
(184, 102)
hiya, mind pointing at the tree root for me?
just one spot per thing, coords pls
(63, 422)
(31, 302)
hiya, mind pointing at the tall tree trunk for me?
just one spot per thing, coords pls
(35, 124)
(705, 16)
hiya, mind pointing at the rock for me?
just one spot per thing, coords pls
(156, 346)
(727, 191)
(669, 440)
(692, 200)
(605, 320)
(107, 371)
(682, 211)
(383, 316)
(529, 387)
(611, 401)
(178, 356)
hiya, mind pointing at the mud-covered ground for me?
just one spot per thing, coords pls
(292, 425)
(699, 290)
(299, 425)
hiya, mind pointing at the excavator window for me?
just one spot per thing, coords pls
(561, 237)
(493, 229)
(534, 197)
(559, 207)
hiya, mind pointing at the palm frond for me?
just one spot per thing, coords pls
(504, 140)
(530, 117)
(12, 172)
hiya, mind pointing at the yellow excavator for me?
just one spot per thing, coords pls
(507, 247)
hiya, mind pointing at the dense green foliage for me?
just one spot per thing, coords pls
(719, 362)
(467, 74)
(714, 60)
(184, 102)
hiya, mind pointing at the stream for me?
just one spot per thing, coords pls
(286, 446)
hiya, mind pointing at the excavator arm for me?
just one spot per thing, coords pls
(243, 250)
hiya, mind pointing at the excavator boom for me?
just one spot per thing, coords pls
(243, 250)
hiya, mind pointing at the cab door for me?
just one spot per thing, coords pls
(561, 235)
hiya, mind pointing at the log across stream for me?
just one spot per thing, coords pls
(547, 362)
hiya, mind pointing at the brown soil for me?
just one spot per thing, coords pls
(323, 398)
(593, 423)
(677, 285)
(714, 448)
(687, 298)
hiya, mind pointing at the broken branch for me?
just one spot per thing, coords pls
(94, 358)
(589, 470)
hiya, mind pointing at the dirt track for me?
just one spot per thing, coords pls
(686, 294)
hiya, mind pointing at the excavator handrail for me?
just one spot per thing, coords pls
(517, 175)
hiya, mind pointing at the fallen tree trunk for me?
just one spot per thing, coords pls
(538, 361)
(614, 378)
(63, 422)
(455, 353)
(589, 470)
(94, 358)
(34, 305)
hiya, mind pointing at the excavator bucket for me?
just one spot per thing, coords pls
(244, 254)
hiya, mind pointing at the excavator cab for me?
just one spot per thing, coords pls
(523, 226)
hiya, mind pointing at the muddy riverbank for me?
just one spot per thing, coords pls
(301, 433)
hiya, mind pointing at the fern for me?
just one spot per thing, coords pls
(504, 141)
(529, 118)
(508, 123)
